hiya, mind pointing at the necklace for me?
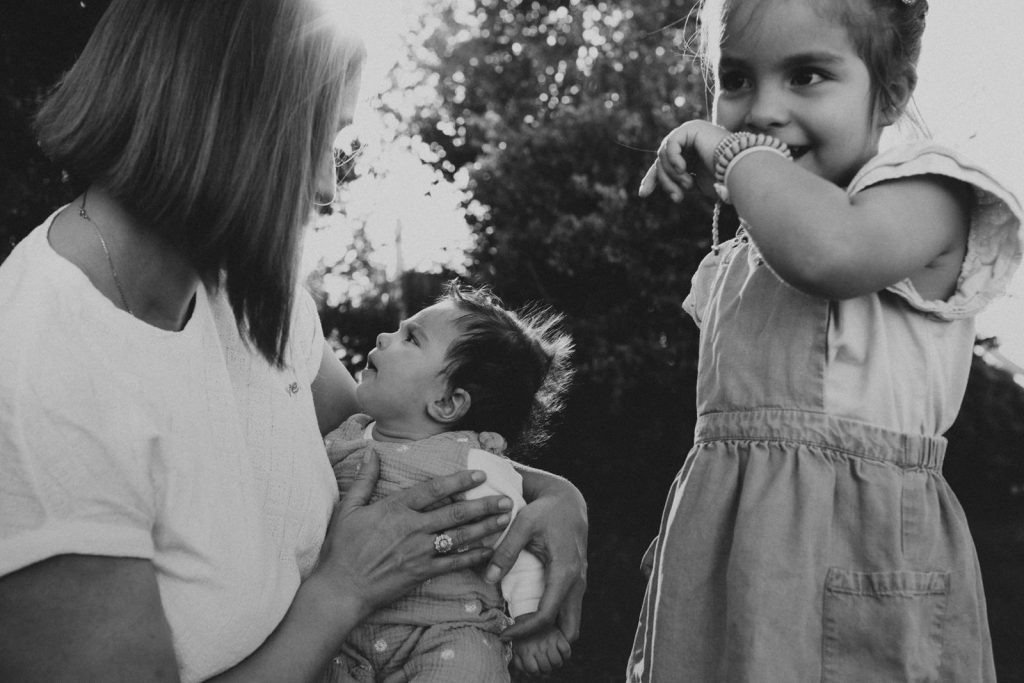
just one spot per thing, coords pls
(110, 261)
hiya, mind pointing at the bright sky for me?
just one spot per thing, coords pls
(971, 95)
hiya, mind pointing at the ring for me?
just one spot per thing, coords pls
(443, 543)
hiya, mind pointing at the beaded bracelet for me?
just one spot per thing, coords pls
(731, 149)
(734, 147)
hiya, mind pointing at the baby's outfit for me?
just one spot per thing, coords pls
(810, 534)
(447, 628)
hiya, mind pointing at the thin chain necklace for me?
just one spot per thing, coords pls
(110, 261)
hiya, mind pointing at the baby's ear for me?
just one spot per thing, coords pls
(451, 407)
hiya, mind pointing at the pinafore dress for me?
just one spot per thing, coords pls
(798, 544)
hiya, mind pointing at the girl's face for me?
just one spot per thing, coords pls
(788, 70)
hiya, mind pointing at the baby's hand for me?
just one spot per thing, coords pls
(542, 652)
(685, 156)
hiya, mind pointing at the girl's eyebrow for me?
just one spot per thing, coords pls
(819, 57)
(822, 57)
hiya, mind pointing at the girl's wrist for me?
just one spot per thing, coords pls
(708, 138)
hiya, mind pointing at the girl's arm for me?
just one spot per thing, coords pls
(821, 240)
(100, 618)
(553, 525)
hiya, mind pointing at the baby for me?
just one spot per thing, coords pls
(446, 392)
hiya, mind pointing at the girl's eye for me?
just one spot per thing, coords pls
(805, 77)
(409, 337)
(732, 81)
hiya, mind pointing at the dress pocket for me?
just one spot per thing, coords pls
(883, 626)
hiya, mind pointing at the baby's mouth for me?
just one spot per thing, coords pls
(798, 151)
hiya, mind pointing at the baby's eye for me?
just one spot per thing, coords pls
(805, 77)
(731, 81)
(410, 337)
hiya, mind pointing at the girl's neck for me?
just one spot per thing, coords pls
(156, 279)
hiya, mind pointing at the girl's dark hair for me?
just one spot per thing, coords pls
(887, 36)
(885, 33)
(514, 365)
(209, 121)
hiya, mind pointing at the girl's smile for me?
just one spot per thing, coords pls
(792, 72)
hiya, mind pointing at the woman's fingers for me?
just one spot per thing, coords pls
(362, 488)
(466, 536)
(571, 611)
(429, 493)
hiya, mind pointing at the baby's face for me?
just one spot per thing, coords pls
(404, 372)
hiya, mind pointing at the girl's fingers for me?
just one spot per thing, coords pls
(649, 181)
(669, 184)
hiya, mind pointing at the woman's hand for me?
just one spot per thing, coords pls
(377, 553)
(553, 526)
(685, 160)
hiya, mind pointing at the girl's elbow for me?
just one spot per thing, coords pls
(824, 278)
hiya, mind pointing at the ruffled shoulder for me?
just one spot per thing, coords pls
(994, 243)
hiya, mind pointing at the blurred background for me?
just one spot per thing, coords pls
(503, 142)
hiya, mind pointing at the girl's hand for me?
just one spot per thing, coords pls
(685, 160)
(553, 526)
(541, 653)
(376, 553)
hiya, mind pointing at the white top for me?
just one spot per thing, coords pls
(895, 359)
(875, 340)
(185, 448)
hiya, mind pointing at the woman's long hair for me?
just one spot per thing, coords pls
(209, 121)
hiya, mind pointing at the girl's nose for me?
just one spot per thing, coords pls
(380, 339)
(769, 110)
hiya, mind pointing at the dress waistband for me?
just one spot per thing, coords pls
(819, 429)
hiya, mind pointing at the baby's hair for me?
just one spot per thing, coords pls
(514, 365)
(885, 33)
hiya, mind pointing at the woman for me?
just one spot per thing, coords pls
(164, 492)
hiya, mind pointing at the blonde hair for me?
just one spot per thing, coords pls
(209, 121)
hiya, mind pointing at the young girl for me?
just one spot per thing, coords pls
(810, 534)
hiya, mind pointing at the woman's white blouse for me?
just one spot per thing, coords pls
(184, 448)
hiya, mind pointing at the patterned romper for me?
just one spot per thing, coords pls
(810, 535)
(447, 628)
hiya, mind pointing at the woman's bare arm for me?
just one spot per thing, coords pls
(334, 392)
(80, 617)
